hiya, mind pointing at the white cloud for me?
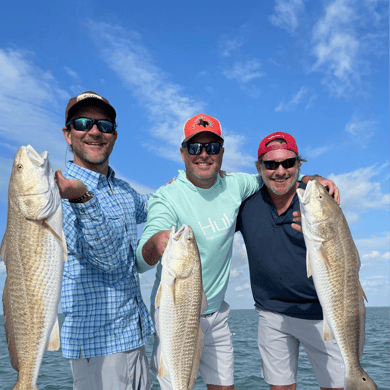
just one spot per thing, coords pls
(340, 43)
(2, 267)
(286, 14)
(374, 243)
(244, 72)
(125, 54)
(246, 286)
(361, 131)
(316, 152)
(359, 192)
(227, 46)
(71, 72)
(29, 100)
(303, 94)
(375, 284)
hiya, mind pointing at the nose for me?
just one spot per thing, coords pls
(280, 171)
(203, 152)
(94, 130)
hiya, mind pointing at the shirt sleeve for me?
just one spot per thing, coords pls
(161, 216)
(92, 236)
(249, 184)
(141, 206)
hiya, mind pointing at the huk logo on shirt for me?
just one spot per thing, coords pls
(211, 227)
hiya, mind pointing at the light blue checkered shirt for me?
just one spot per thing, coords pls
(101, 296)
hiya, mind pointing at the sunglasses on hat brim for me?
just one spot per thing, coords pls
(272, 165)
(86, 124)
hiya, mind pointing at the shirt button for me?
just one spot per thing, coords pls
(96, 239)
(82, 211)
(109, 193)
(94, 205)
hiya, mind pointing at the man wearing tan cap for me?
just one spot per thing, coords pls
(199, 197)
(106, 321)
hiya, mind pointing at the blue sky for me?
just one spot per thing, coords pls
(318, 70)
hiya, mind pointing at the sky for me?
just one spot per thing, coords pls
(318, 70)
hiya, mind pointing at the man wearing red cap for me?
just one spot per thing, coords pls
(106, 321)
(199, 197)
(285, 298)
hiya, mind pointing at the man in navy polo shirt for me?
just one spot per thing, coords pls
(285, 298)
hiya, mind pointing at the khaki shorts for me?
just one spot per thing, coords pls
(120, 371)
(216, 364)
(279, 337)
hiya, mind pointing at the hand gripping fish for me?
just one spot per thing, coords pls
(182, 300)
(334, 263)
(33, 249)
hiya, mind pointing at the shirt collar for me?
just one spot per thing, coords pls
(89, 178)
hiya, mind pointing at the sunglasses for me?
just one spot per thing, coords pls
(197, 147)
(86, 124)
(272, 165)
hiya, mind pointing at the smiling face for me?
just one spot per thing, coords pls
(91, 148)
(280, 181)
(202, 169)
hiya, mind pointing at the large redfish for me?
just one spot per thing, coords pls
(334, 263)
(33, 249)
(182, 300)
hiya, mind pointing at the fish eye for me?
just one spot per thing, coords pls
(20, 167)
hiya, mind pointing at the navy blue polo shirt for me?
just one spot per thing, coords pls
(277, 258)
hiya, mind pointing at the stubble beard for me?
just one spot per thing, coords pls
(271, 188)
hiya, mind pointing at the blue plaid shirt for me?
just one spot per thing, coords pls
(101, 296)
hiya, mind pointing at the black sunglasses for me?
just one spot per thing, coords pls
(272, 165)
(86, 124)
(197, 147)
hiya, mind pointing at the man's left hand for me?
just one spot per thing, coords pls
(297, 218)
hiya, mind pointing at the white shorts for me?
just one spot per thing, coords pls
(216, 364)
(279, 337)
(120, 371)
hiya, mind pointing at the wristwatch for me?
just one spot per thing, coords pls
(79, 200)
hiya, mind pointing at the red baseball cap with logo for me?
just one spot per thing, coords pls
(290, 143)
(200, 123)
(88, 98)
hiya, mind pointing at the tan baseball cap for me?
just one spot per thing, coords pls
(88, 98)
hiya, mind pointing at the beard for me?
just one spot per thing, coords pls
(269, 185)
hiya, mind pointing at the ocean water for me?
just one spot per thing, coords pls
(55, 371)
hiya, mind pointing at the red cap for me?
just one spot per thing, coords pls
(88, 98)
(200, 123)
(290, 143)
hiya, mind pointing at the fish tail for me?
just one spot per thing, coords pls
(359, 380)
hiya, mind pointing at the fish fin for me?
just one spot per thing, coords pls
(162, 369)
(52, 231)
(362, 321)
(327, 333)
(196, 359)
(158, 297)
(204, 305)
(64, 247)
(322, 255)
(171, 289)
(363, 294)
(9, 328)
(53, 344)
(2, 247)
(308, 264)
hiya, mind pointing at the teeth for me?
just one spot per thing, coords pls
(203, 164)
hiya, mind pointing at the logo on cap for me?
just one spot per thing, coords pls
(203, 123)
(88, 95)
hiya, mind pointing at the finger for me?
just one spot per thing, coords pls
(297, 227)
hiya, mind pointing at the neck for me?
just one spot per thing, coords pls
(201, 183)
(282, 202)
(98, 168)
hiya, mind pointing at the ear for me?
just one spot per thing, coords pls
(67, 136)
(182, 154)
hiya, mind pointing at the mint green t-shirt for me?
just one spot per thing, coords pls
(212, 214)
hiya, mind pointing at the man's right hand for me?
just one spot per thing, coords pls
(69, 188)
(155, 247)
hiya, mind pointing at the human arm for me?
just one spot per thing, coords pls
(154, 239)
